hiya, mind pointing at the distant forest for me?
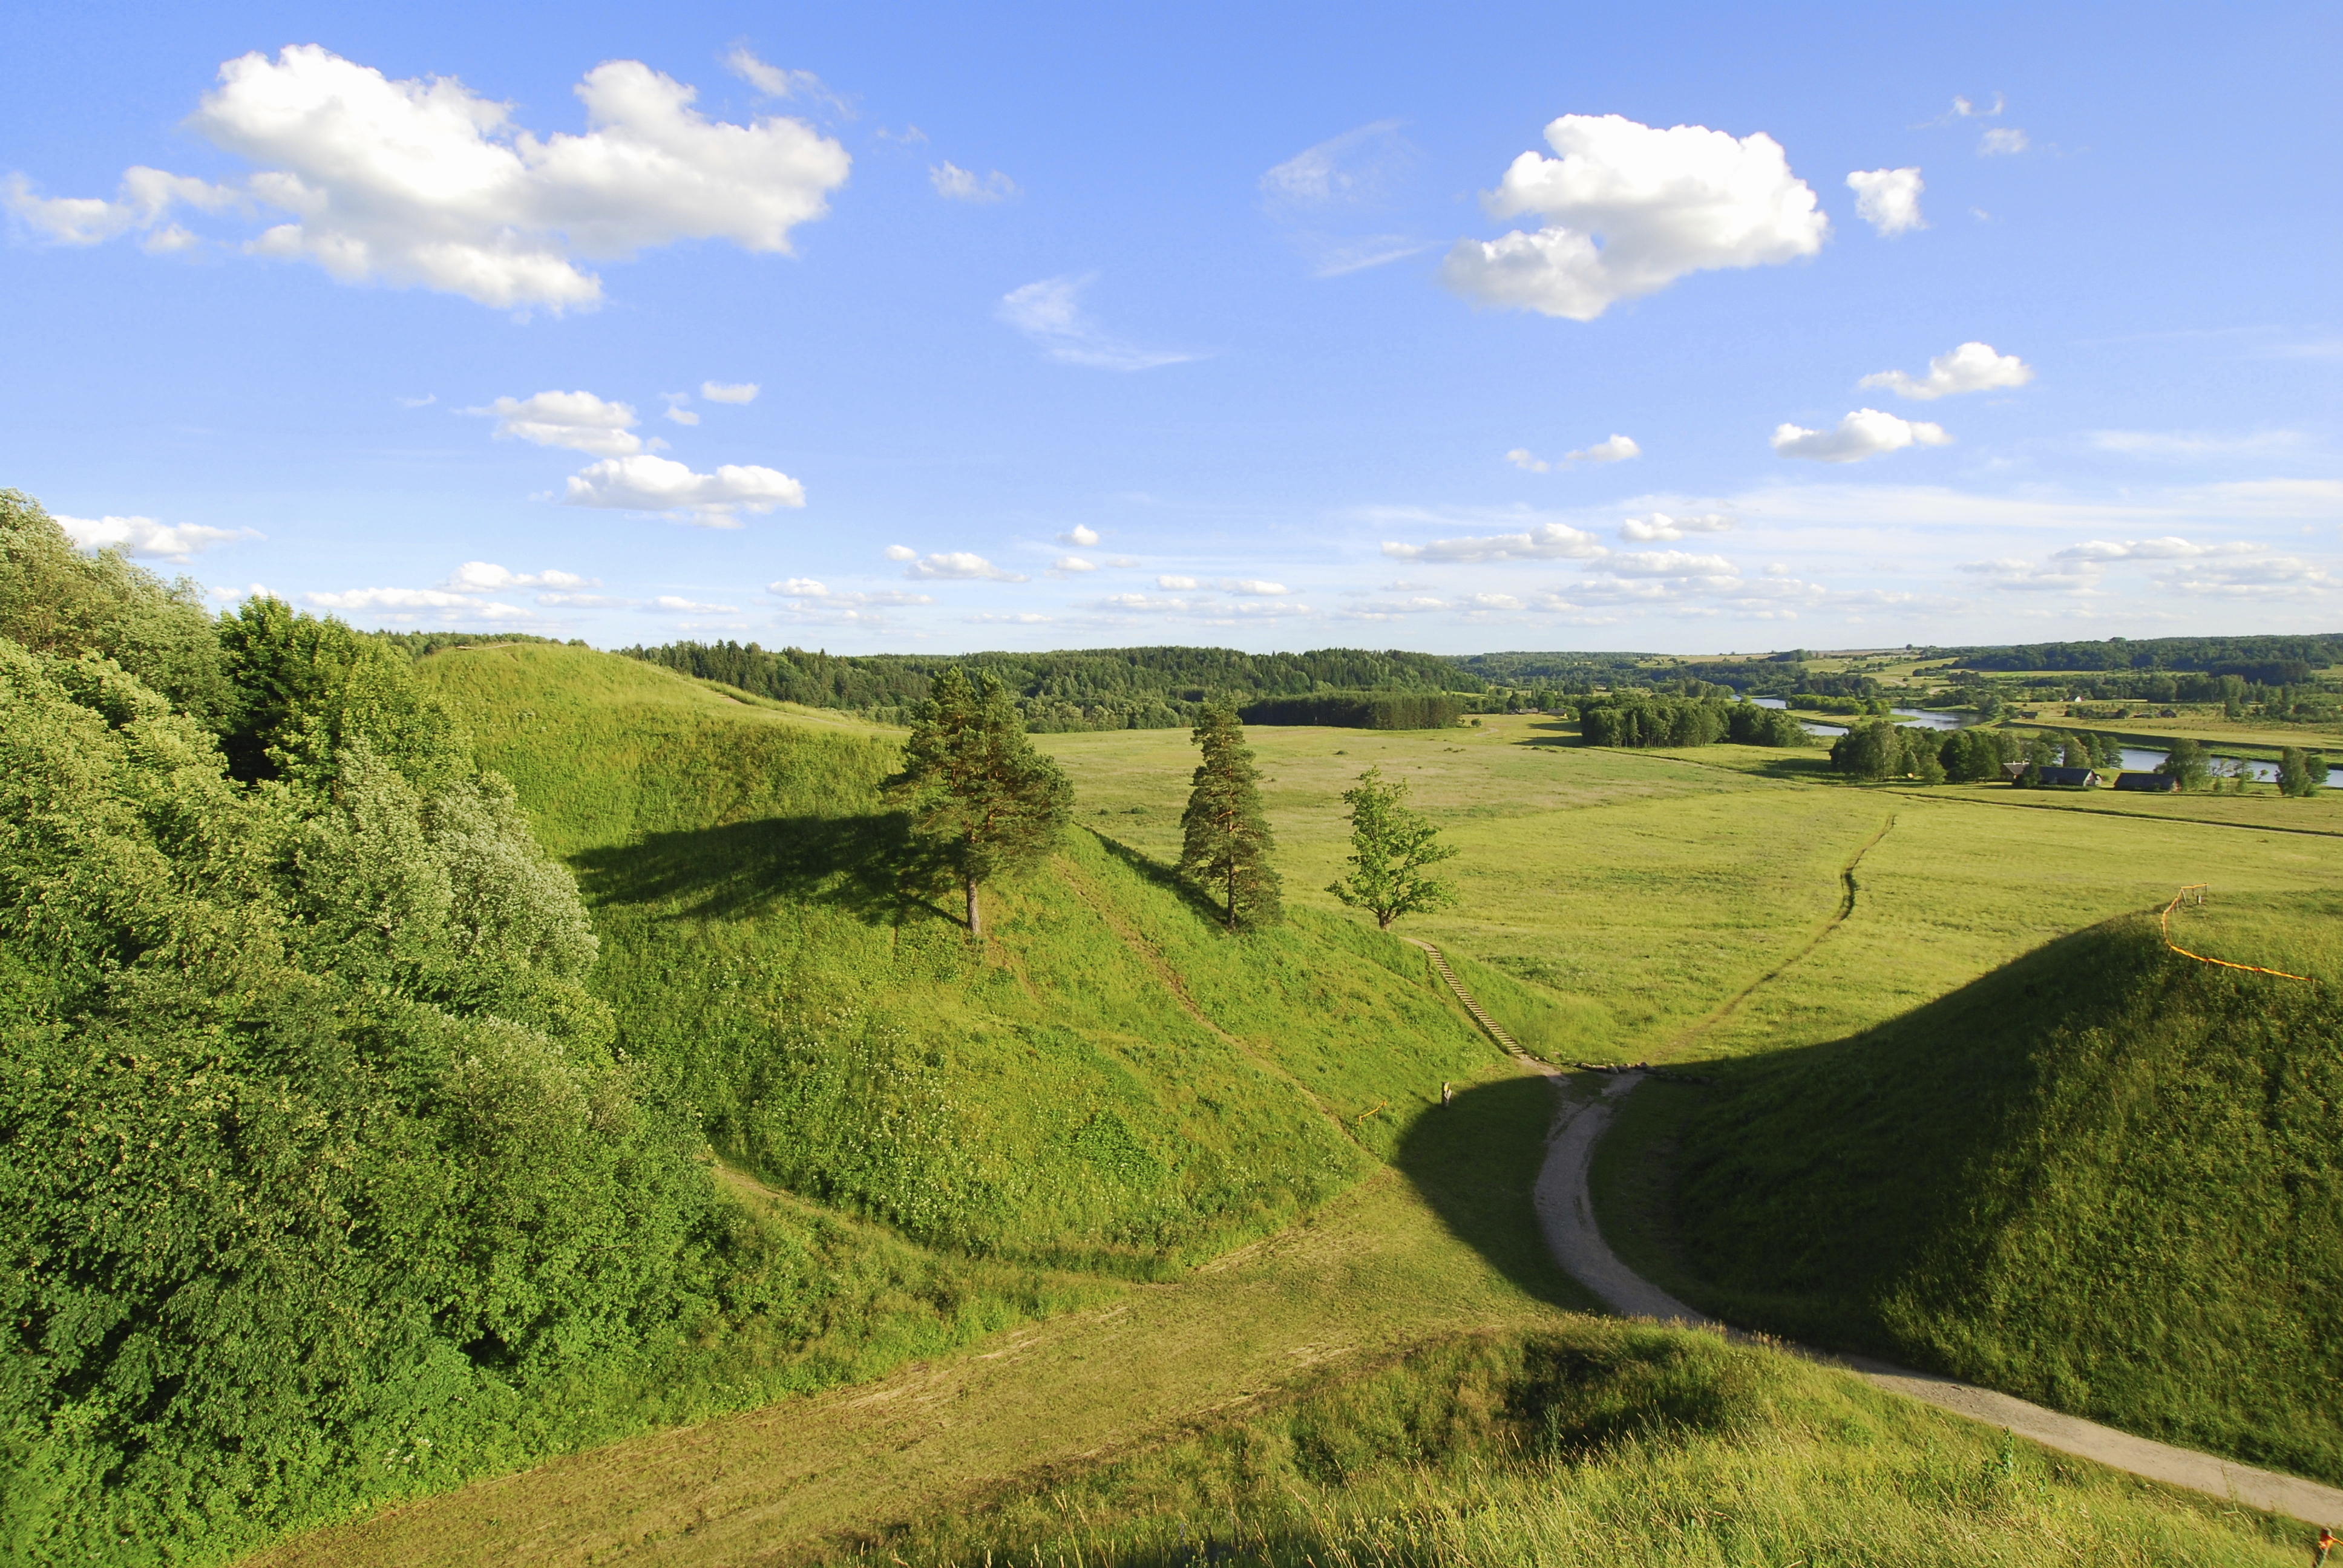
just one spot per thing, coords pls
(1094, 689)
(1166, 688)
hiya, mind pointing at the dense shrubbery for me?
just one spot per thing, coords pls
(1359, 710)
(1104, 688)
(1685, 721)
(315, 1163)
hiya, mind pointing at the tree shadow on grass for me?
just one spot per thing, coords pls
(1475, 1161)
(870, 866)
(1157, 874)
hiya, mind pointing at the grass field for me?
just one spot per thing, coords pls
(1598, 1443)
(1643, 891)
(1279, 1100)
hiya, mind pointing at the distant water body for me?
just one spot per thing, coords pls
(2136, 758)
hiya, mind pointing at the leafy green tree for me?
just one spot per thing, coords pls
(2300, 772)
(58, 599)
(307, 686)
(1391, 848)
(975, 786)
(2187, 762)
(1226, 842)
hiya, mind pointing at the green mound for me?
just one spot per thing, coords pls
(1108, 1080)
(2105, 1177)
(1603, 1443)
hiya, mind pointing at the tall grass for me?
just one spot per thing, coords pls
(1601, 1444)
(1109, 1080)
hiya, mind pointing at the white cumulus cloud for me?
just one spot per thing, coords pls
(960, 564)
(1546, 542)
(808, 588)
(1081, 534)
(1888, 200)
(145, 198)
(650, 484)
(1615, 449)
(730, 392)
(1628, 209)
(1524, 458)
(451, 606)
(1050, 313)
(578, 420)
(424, 183)
(146, 537)
(485, 576)
(2169, 549)
(1971, 367)
(1072, 564)
(1175, 584)
(1254, 586)
(954, 183)
(1865, 433)
(1660, 527)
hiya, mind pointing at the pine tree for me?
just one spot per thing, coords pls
(1227, 845)
(975, 786)
(1389, 847)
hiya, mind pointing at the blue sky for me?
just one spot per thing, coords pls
(1443, 327)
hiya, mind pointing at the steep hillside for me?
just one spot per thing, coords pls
(2105, 1177)
(1109, 1080)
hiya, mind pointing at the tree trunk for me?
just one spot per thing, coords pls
(1233, 897)
(975, 916)
(1384, 918)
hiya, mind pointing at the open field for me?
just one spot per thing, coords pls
(1650, 887)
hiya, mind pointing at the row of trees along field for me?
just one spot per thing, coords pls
(1882, 750)
(1699, 720)
(985, 803)
(1076, 689)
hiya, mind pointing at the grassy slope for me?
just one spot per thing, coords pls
(2104, 1177)
(1109, 1080)
(1598, 1443)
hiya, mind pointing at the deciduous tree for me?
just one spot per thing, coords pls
(1391, 847)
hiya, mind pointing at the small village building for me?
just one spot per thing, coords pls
(2153, 783)
(2070, 778)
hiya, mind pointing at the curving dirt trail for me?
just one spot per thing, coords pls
(1566, 1214)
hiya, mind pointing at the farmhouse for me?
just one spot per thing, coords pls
(2156, 783)
(2069, 778)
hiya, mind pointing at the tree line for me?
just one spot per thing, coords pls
(1881, 751)
(1075, 690)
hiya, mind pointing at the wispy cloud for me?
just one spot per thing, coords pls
(1049, 312)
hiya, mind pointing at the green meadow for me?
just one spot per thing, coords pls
(1246, 1280)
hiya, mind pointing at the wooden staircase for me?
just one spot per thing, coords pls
(1496, 1031)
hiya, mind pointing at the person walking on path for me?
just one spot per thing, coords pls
(2321, 1547)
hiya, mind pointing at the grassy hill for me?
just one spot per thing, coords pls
(1108, 1080)
(2105, 1177)
(1597, 1444)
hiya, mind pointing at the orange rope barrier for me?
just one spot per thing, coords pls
(2200, 958)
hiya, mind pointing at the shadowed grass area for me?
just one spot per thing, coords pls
(2105, 1177)
(1594, 1444)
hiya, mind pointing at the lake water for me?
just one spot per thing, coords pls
(2146, 759)
(1909, 718)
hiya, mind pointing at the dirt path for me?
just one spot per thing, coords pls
(1566, 1213)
